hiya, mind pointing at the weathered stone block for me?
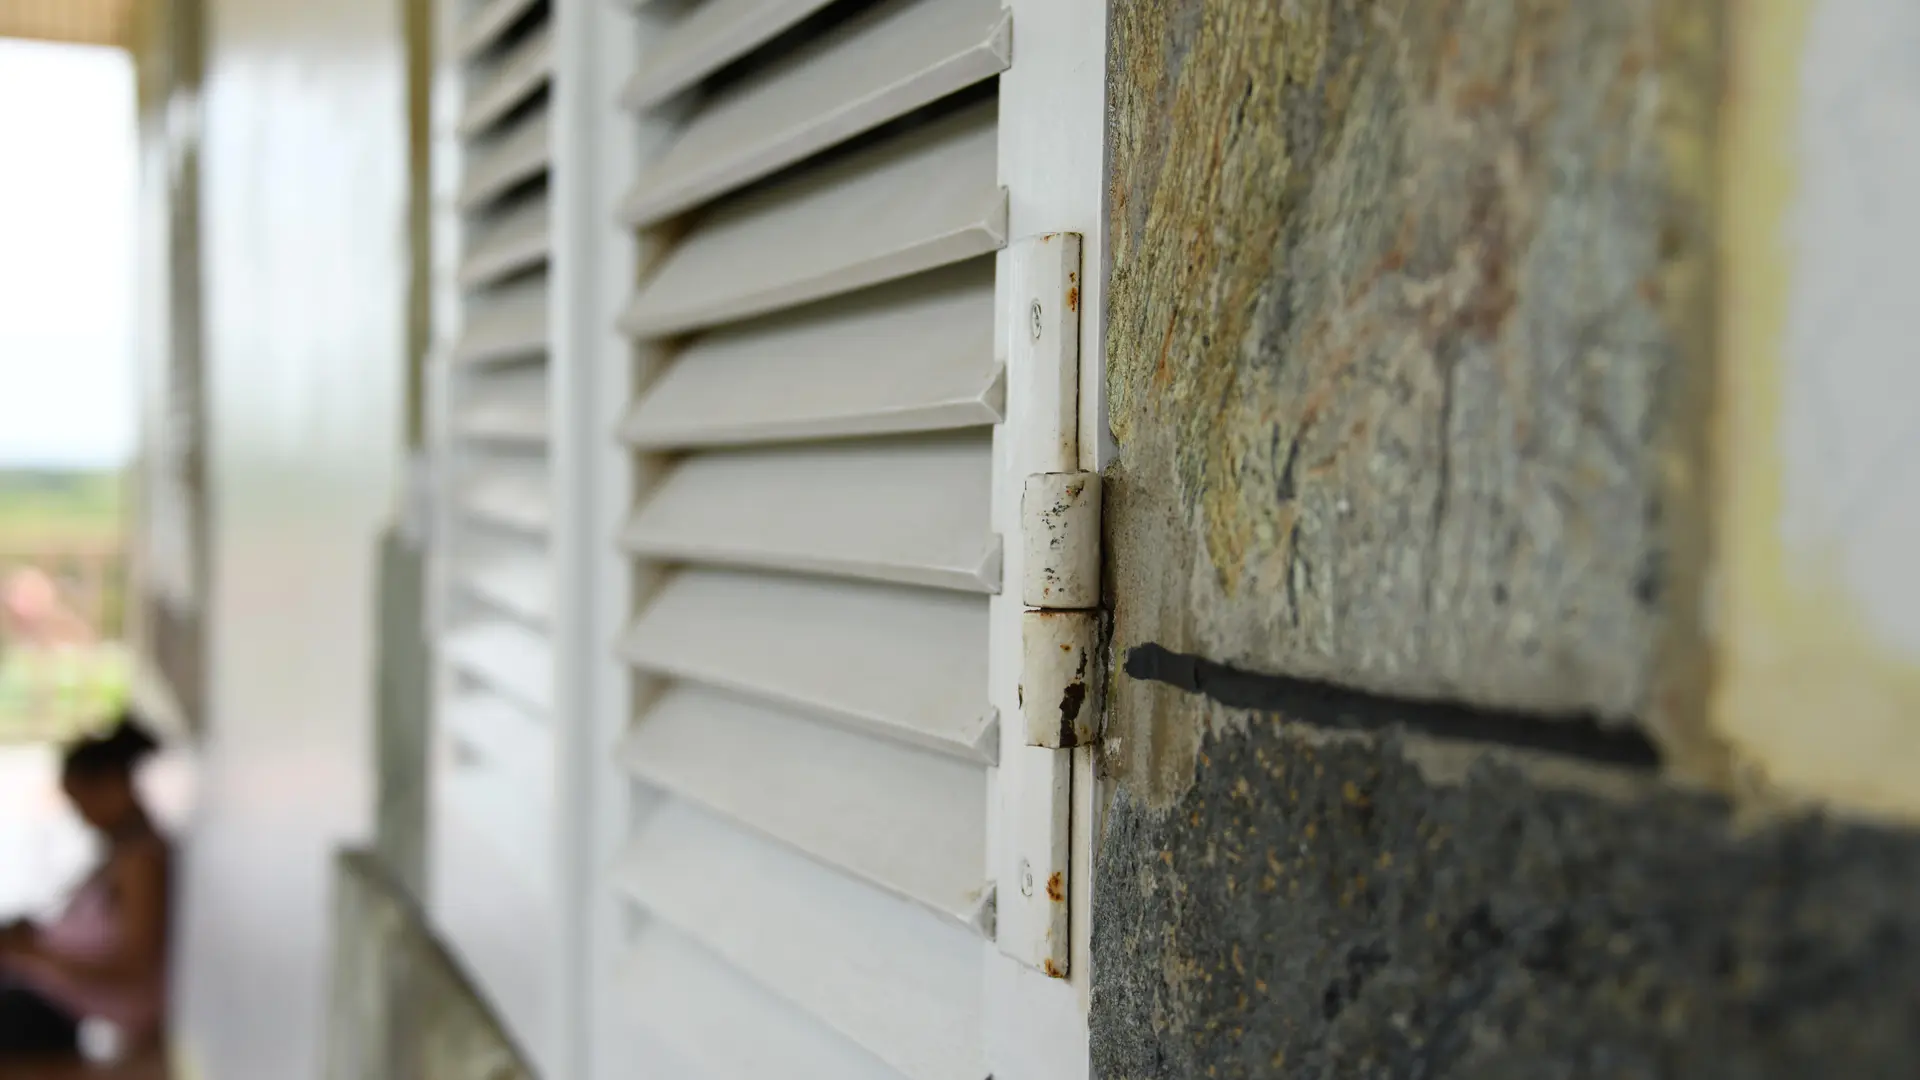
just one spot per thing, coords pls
(1407, 319)
(1380, 907)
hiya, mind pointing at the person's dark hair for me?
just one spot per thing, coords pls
(118, 749)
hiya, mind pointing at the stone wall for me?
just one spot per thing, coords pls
(1404, 299)
(1414, 343)
(1352, 905)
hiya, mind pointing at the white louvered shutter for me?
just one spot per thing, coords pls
(806, 861)
(498, 735)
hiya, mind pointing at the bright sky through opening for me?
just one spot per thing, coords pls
(67, 196)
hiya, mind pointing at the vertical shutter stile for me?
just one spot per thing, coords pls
(804, 864)
(494, 890)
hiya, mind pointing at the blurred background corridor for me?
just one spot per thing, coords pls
(67, 377)
(67, 436)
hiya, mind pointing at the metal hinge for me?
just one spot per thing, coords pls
(1051, 597)
(1060, 586)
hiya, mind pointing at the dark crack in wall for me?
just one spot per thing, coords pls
(1351, 907)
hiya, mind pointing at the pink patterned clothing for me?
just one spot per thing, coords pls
(89, 929)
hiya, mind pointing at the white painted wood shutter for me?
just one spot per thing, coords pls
(761, 835)
(805, 866)
(498, 732)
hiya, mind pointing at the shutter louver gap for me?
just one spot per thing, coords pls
(481, 29)
(527, 67)
(507, 160)
(516, 242)
(708, 38)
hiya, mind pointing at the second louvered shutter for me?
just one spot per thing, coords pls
(493, 885)
(806, 863)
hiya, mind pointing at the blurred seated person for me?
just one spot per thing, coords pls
(94, 980)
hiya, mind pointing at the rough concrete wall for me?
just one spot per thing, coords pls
(402, 738)
(1365, 906)
(401, 1009)
(1412, 336)
(1403, 299)
(360, 1016)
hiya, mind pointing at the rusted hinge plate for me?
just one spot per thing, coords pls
(1042, 496)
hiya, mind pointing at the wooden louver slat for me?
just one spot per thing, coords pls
(514, 158)
(510, 496)
(511, 751)
(678, 994)
(865, 965)
(505, 407)
(925, 199)
(519, 240)
(911, 822)
(511, 659)
(914, 511)
(914, 355)
(511, 323)
(892, 60)
(900, 663)
(520, 584)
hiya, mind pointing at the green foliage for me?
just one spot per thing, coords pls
(71, 525)
(41, 503)
(53, 696)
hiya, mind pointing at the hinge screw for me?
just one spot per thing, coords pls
(1026, 878)
(1035, 313)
